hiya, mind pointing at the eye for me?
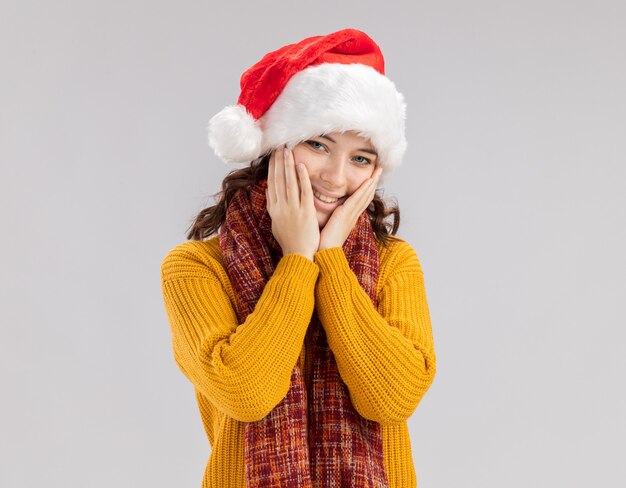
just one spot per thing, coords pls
(364, 161)
(315, 144)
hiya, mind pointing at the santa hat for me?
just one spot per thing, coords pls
(322, 84)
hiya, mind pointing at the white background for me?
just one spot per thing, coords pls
(511, 192)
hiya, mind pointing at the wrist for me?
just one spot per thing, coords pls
(307, 255)
(327, 246)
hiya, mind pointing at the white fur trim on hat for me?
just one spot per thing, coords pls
(334, 97)
(329, 97)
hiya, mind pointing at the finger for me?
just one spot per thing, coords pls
(271, 186)
(377, 174)
(279, 175)
(291, 180)
(360, 196)
(360, 199)
(375, 180)
(371, 192)
(306, 191)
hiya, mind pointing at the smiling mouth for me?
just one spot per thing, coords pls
(324, 198)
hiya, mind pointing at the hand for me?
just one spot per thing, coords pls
(344, 217)
(294, 218)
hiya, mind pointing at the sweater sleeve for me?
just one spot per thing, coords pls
(244, 370)
(385, 357)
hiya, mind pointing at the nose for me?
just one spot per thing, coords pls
(334, 172)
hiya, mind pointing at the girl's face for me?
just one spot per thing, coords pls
(337, 164)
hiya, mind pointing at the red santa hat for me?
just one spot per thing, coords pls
(322, 84)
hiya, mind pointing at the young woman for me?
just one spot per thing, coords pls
(303, 324)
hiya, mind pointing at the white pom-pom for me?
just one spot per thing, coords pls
(234, 135)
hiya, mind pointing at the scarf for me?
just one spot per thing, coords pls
(313, 438)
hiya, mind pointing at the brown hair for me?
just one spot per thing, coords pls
(210, 219)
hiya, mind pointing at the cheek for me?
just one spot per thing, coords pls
(298, 154)
(357, 178)
(302, 155)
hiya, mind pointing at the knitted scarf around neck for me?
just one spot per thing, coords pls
(313, 438)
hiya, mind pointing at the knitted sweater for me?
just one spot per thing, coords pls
(241, 372)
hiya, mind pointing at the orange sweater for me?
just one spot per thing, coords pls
(241, 372)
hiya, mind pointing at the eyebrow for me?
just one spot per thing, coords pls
(369, 151)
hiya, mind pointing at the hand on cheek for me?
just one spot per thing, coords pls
(344, 217)
(289, 202)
